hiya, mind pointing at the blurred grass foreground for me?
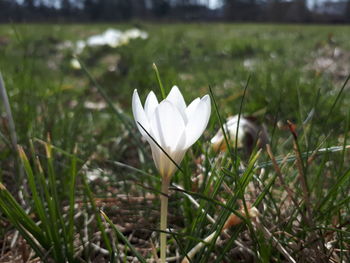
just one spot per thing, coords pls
(77, 180)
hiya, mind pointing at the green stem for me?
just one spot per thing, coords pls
(154, 66)
(163, 218)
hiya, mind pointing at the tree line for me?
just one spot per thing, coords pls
(171, 10)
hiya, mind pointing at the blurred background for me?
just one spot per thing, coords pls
(70, 68)
(299, 11)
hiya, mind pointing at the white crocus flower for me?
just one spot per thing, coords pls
(249, 132)
(172, 125)
(218, 141)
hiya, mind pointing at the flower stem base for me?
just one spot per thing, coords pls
(163, 218)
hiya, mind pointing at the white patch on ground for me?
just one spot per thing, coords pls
(330, 60)
(249, 63)
(95, 105)
(111, 37)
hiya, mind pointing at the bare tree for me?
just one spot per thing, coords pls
(347, 12)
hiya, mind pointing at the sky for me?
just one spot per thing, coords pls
(213, 4)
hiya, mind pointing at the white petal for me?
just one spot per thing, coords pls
(198, 122)
(163, 163)
(231, 130)
(150, 104)
(155, 154)
(218, 140)
(191, 108)
(167, 124)
(139, 114)
(176, 98)
(180, 149)
(218, 137)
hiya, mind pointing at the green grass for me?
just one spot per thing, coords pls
(64, 141)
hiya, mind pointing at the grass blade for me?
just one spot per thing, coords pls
(98, 216)
(123, 238)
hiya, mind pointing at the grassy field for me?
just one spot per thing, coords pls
(80, 151)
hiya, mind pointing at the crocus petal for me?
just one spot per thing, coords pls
(139, 114)
(218, 137)
(191, 108)
(160, 159)
(218, 140)
(155, 154)
(176, 98)
(164, 164)
(167, 124)
(178, 154)
(150, 104)
(198, 122)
